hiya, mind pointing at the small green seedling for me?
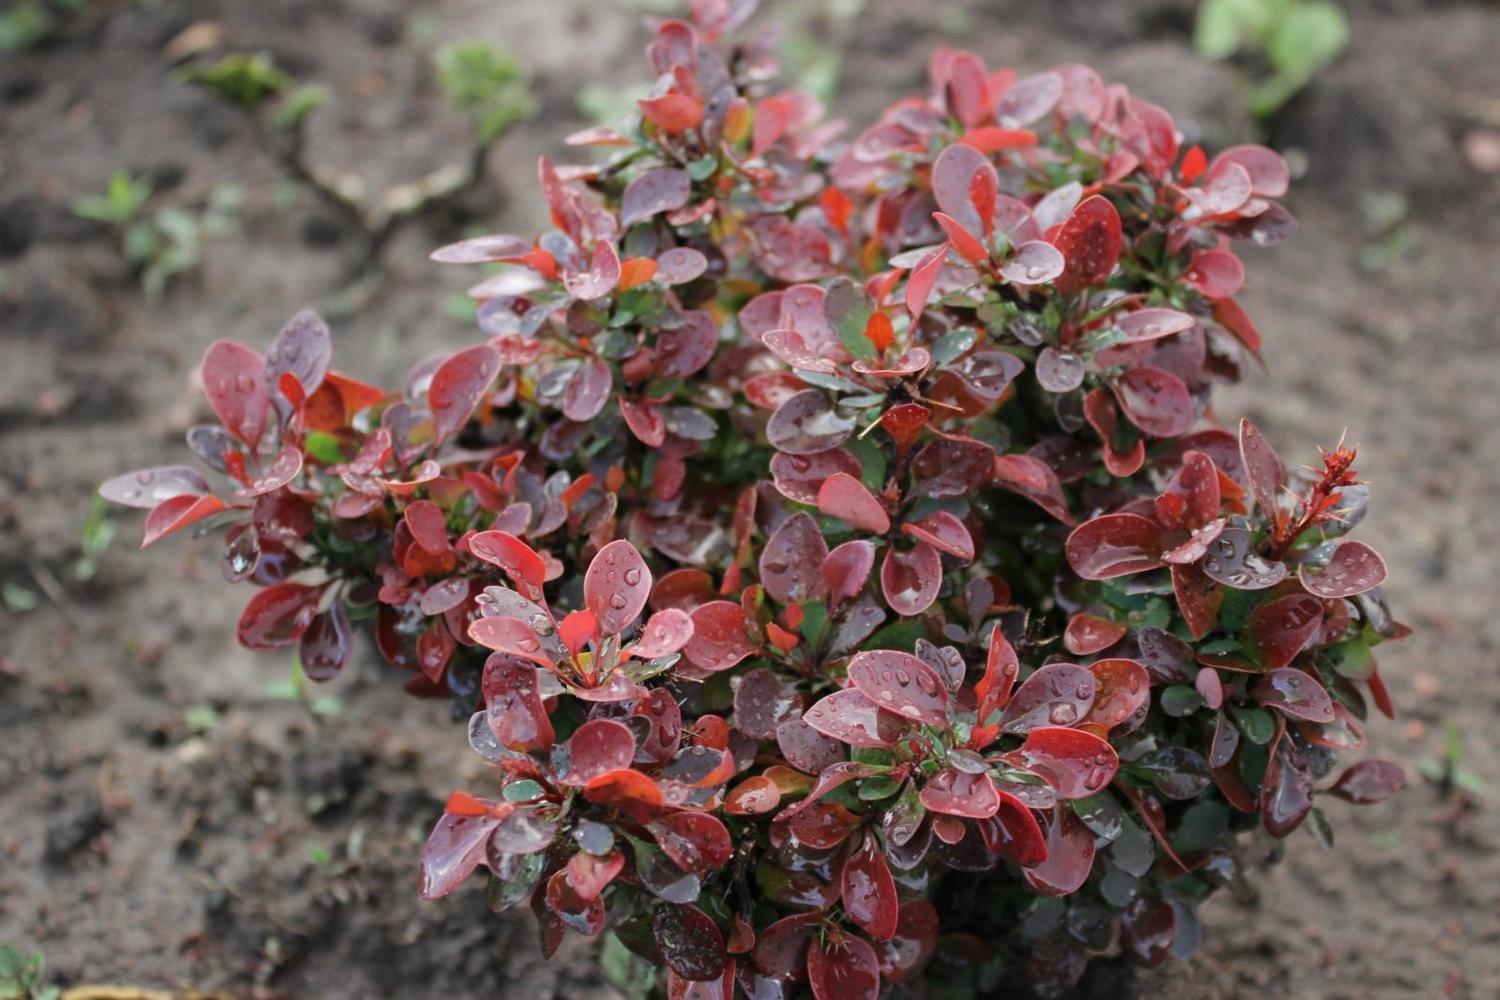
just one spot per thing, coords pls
(1293, 40)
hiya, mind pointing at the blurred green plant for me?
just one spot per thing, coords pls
(97, 535)
(487, 85)
(293, 687)
(23, 975)
(1449, 772)
(243, 78)
(28, 23)
(164, 243)
(1291, 41)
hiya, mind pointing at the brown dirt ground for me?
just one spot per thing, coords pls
(274, 855)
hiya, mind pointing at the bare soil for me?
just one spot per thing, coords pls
(273, 855)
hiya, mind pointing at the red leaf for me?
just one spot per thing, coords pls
(869, 892)
(1262, 468)
(1088, 634)
(1353, 569)
(1156, 401)
(628, 790)
(616, 586)
(601, 277)
(719, 640)
(1122, 690)
(1294, 693)
(960, 793)
(843, 968)
(944, 532)
(781, 949)
(1090, 242)
(1075, 763)
(458, 385)
(1036, 481)
(277, 616)
(923, 277)
(654, 192)
(851, 717)
(913, 944)
(989, 139)
(455, 848)
(519, 560)
(847, 568)
(697, 842)
(1115, 545)
(800, 477)
(792, 559)
(911, 580)
(428, 525)
(967, 245)
(1070, 856)
(1369, 782)
(176, 513)
(664, 633)
(1216, 274)
(1269, 176)
(1279, 630)
(672, 113)
(588, 390)
(233, 381)
(1058, 694)
(901, 683)
(514, 707)
(846, 498)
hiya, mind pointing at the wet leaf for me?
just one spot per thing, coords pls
(1058, 694)
(719, 639)
(458, 385)
(513, 703)
(616, 586)
(147, 488)
(176, 513)
(914, 943)
(851, 717)
(944, 532)
(911, 580)
(453, 850)
(302, 349)
(1262, 467)
(843, 969)
(588, 390)
(1294, 693)
(792, 559)
(901, 683)
(233, 381)
(846, 498)
(1070, 855)
(277, 616)
(960, 793)
(1090, 243)
(1353, 569)
(601, 277)
(1232, 561)
(1156, 401)
(1369, 782)
(1087, 634)
(1076, 764)
(847, 568)
(807, 423)
(696, 842)
(654, 192)
(1115, 545)
(868, 892)
(1279, 630)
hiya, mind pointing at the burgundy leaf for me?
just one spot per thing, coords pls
(843, 968)
(1115, 545)
(1232, 561)
(616, 586)
(458, 385)
(850, 717)
(654, 192)
(911, 580)
(176, 513)
(588, 390)
(1075, 763)
(1369, 782)
(1156, 401)
(719, 640)
(1296, 694)
(944, 532)
(1262, 467)
(807, 423)
(1070, 856)
(277, 616)
(233, 381)
(1058, 694)
(1279, 630)
(847, 568)
(689, 942)
(601, 277)
(846, 498)
(901, 683)
(792, 559)
(961, 793)
(696, 842)
(1090, 243)
(869, 893)
(1353, 569)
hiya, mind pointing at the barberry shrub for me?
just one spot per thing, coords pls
(831, 544)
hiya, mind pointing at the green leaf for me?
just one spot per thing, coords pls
(522, 791)
(849, 311)
(1256, 723)
(324, 447)
(1216, 34)
(1179, 700)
